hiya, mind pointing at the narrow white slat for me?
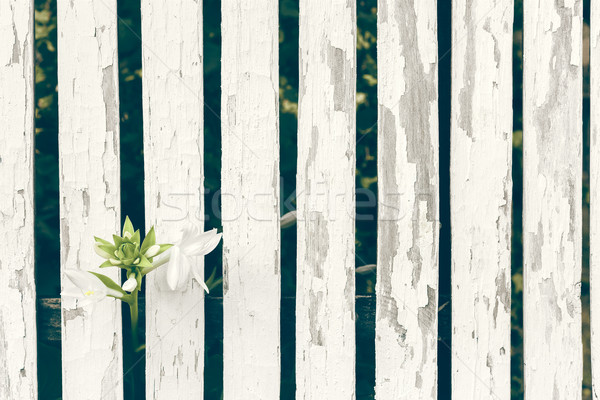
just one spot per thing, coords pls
(552, 171)
(18, 370)
(481, 197)
(407, 266)
(250, 199)
(325, 333)
(89, 190)
(173, 163)
(595, 195)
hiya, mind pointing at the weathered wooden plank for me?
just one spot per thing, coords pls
(250, 199)
(595, 195)
(407, 266)
(18, 365)
(89, 190)
(481, 197)
(173, 166)
(325, 337)
(552, 171)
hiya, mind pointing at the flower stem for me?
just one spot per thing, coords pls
(133, 309)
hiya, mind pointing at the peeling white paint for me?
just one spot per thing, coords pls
(595, 196)
(18, 348)
(407, 265)
(481, 198)
(173, 167)
(250, 199)
(325, 331)
(89, 190)
(552, 145)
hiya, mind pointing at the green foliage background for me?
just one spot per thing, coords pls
(47, 197)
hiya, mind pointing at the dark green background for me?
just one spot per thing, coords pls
(132, 198)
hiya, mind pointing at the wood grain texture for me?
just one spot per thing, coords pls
(407, 266)
(552, 171)
(325, 337)
(18, 351)
(250, 199)
(595, 196)
(89, 190)
(481, 197)
(173, 167)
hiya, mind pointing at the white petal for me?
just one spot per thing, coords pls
(174, 268)
(184, 277)
(71, 292)
(214, 242)
(188, 234)
(204, 287)
(198, 277)
(82, 279)
(203, 244)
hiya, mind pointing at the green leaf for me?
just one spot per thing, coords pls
(149, 240)
(144, 263)
(136, 237)
(109, 248)
(118, 240)
(163, 248)
(109, 283)
(211, 282)
(127, 226)
(106, 264)
(102, 241)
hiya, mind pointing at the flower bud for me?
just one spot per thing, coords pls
(152, 251)
(101, 252)
(130, 284)
(288, 220)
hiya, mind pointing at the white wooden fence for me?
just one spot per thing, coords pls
(407, 273)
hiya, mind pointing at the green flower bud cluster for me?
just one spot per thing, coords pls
(127, 252)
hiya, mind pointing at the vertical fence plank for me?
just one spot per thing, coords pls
(595, 195)
(89, 190)
(552, 145)
(481, 197)
(250, 193)
(407, 266)
(173, 163)
(325, 334)
(18, 370)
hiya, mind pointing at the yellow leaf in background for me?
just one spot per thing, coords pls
(361, 98)
(40, 75)
(367, 181)
(370, 79)
(517, 280)
(518, 139)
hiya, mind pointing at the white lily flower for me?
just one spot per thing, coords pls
(130, 284)
(88, 288)
(180, 258)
